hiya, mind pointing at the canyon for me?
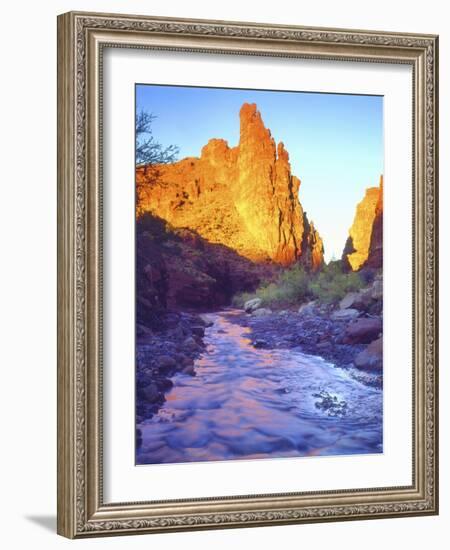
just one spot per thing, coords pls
(213, 226)
(217, 379)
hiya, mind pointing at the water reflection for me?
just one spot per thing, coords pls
(255, 403)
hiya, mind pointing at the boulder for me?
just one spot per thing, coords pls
(164, 384)
(261, 312)
(357, 300)
(189, 370)
(363, 331)
(190, 344)
(364, 299)
(372, 357)
(166, 362)
(207, 321)
(198, 331)
(251, 305)
(151, 393)
(308, 308)
(258, 344)
(345, 314)
(323, 345)
(376, 290)
(183, 359)
(348, 300)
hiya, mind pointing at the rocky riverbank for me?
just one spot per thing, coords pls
(249, 403)
(348, 334)
(160, 354)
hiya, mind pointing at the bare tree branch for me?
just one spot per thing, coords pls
(148, 150)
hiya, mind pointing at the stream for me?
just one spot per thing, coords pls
(247, 403)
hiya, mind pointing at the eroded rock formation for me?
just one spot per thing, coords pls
(364, 245)
(243, 197)
(375, 258)
(312, 246)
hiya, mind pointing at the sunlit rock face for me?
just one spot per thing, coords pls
(365, 242)
(375, 258)
(243, 197)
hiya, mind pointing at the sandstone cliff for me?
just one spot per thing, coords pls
(243, 197)
(375, 258)
(364, 246)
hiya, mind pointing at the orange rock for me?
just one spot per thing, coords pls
(369, 213)
(243, 197)
(375, 258)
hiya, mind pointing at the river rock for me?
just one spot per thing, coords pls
(376, 290)
(190, 344)
(207, 321)
(166, 363)
(258, 344)
(198, 331)
(185, 360)
(323, 345)
(189, 370)
(251, 305)
(365, 298)
(261, 312)
(164, 384)
(363, 331)
(348, 300)
(151, 393)
(345, 314)
(372, 357)
(307, 309)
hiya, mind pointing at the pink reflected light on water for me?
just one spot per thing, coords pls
(254, 403)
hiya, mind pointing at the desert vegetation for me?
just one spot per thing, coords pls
(295, 286)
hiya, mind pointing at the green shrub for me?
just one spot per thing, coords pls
(331, 284)
(272, 295)
(295, 286)
(290, 287)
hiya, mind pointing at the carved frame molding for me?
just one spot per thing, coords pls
(81, 39)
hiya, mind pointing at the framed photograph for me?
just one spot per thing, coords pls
(247, 274)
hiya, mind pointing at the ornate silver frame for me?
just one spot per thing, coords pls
(81, 39)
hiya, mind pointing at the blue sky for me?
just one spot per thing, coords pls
(335, 141)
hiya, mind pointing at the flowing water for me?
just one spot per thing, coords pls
(249, 403)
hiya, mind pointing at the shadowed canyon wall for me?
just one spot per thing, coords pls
(364, 245)
(243, 197)
(375, 257)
